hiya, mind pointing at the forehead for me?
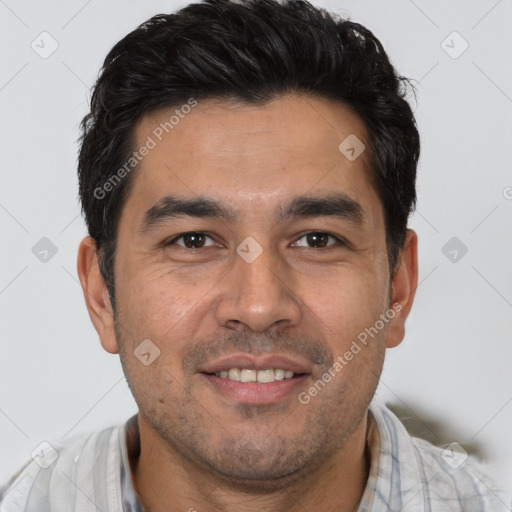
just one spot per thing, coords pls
(252, 156)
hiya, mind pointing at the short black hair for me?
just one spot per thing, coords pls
(249, 51)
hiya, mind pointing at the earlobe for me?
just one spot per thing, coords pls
(403, 290)
(96, 295)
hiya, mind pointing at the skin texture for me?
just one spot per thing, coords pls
(199, 448)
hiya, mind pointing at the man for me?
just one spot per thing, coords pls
(246, 173)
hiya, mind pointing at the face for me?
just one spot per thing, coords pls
(269, 256)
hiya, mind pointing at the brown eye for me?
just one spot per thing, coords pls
(317, 239)
(192, 240)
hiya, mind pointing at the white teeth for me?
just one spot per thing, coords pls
(248, 376)
(261, 376)
(234, 374)
(265, 376)
(279, 374)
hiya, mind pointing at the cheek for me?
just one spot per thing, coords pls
(344, 303)
(162, 305)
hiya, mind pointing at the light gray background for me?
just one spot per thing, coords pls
(453, 368)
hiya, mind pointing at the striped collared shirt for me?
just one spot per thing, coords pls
(91, 473)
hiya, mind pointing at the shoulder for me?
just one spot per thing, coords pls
(441, 476)
(57, 469)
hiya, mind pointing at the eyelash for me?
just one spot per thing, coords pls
(339, 240)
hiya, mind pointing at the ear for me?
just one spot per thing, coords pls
(96, 294)
(403, 289)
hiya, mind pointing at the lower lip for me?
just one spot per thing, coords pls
(255, 393)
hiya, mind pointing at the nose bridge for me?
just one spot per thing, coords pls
(259, 279)
(258, 292)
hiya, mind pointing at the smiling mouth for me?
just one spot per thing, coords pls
(264, 376)
(257, 387)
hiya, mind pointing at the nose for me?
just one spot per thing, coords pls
(258, 295)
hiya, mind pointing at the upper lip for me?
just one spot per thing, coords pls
(256, 362)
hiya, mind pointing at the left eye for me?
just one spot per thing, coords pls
(318, 238)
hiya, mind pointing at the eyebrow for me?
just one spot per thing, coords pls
(338, 205)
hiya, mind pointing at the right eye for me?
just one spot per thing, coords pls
(192, 240)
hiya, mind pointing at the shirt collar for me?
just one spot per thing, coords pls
(130, 450)
(373, 447)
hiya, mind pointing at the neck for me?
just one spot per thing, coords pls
(166, 482)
